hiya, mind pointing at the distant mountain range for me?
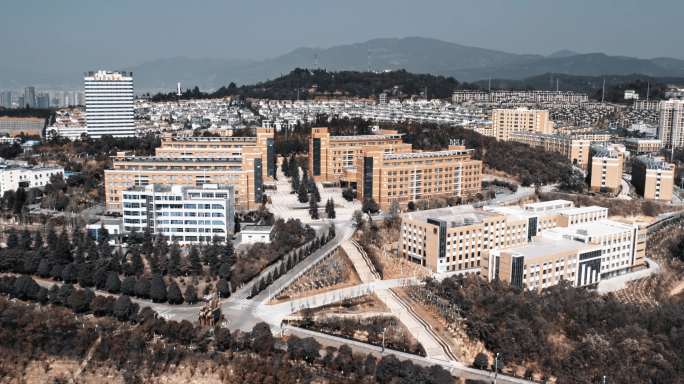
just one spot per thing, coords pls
(415, 54)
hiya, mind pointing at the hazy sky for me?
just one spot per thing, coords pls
(90, 33)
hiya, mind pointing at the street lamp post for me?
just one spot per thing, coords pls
(496, 366)
(383, 339)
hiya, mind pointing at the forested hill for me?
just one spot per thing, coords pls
(308, 84)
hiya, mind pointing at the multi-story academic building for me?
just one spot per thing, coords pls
(507, 121)
(13, 176)
(576, 150)
(532, 247)
(413, 176)
(184, 214)
(653, 177)
(15, 126)
(605, 168)
(331, 158)
(671, 126)
(385, 169)
(245, 163)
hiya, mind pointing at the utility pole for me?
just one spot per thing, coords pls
(383, 340)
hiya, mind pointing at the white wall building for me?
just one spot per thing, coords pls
(251, 234)
(670, 129)
(12, 177)
(185, 214)
(109, 103)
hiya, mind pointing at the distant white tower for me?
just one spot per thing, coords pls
(178, 91)
(109, 103)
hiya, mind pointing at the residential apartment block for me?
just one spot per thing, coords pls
(534, 247)
(574, 149)
(245, 163)
(641, 146)
(385, 169)
(507, 121)
(671, 125)
(184, 214)
(653, 177)
(519, 96)
(605, 168)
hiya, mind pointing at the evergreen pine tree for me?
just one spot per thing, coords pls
(313, 207)
(302, 194)
(194, 260)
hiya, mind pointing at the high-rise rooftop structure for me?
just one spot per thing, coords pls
(6, 99)
(29, 97)
(109, 103)
(671, 123)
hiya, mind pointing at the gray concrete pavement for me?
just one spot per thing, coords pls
(455, 368)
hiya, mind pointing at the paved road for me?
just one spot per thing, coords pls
(624, 191)
(456, 368)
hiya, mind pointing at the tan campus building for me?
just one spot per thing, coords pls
(653, 177)
(413, 176)
(15, 126)
(640, 146)
(532, 247)
(384, 168)
(605, 168)
(330, 157)
(507, 121)
(575, 150)
(245, 163)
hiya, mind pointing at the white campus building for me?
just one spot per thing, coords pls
(14, 176)
(181, 213)
(109, 104)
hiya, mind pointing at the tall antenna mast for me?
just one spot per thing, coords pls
(556, 84)
(648, 90)
(489, 84)
(315, 60)
(603, 91)
(369, 60)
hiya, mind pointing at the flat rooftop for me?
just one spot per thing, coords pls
(159, 159)
(454, 216)
(657, 163)
(603, 227)
(222, 139)
(379, 136)
(426, 154)
(544, 247)
(580, 210)
(548, 205)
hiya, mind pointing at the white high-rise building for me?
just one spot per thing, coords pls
(671, 127)
(109, 103)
